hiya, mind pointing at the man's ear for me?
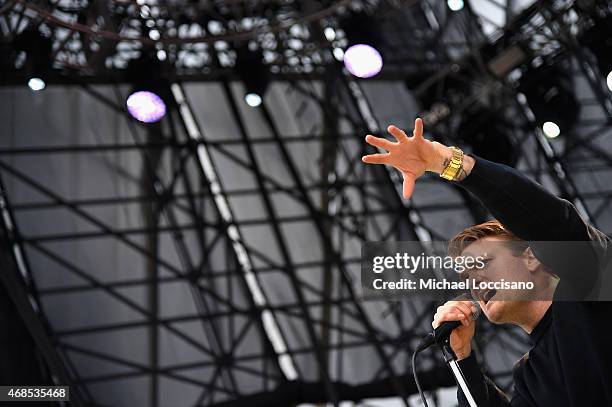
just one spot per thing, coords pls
(531, 261)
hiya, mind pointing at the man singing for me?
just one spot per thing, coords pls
(570, 362)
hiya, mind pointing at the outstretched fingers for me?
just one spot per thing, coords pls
(408, 186)
(376, 158)
(418, 128)
(398, 133)
(379, 142)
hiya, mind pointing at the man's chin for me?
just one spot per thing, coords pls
(494, 311)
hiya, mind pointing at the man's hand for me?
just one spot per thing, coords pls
(461, 337)
(412, 156)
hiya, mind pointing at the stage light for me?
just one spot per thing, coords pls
(150, 96)
(455, 5)
(37, 63)
(36, 84)
(609, 81)
(330, 33)
(362, 57)
(254, 73)
(338, 54)
(252, 99)
(551, 130)
(549, 90)
(146, 106)
(363, 61)
(154, 35)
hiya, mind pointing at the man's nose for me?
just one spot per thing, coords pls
(476, 274)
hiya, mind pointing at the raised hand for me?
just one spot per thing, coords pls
(412, 156)
(461, 337)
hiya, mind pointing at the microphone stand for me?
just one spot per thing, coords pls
(451, 359)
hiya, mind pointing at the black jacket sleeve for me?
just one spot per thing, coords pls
(523, 206)
(536, 215)
(484, 391)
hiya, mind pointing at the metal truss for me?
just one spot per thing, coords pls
(231, 305)
(20, 287)
(98, 40)
(93, 42)
(233, 266)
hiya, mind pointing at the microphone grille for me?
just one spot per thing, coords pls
(476, 314)
(470, 297)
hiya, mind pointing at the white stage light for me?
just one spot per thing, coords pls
(36, 84)
(252, 99)
(551, 129)
(455, 5)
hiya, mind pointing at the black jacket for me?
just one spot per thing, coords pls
(570, 363)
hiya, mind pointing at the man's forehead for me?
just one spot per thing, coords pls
(486, 245)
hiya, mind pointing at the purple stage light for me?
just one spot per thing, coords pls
(146, 106)
(363, 61)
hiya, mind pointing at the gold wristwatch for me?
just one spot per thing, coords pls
(453, 169)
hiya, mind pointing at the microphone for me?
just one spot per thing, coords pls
(443, 332)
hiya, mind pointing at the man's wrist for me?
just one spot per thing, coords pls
(464, 354)
(442, 157)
